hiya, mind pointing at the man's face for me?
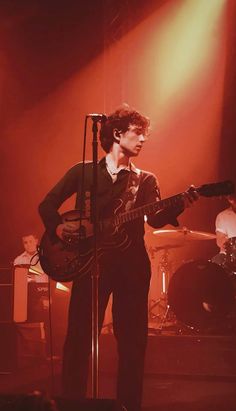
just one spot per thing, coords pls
(30, 244)
(131, 141)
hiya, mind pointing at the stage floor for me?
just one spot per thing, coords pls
(189, 373)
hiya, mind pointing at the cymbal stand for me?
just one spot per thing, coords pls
(164, 269)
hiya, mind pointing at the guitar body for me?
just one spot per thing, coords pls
(73, 257)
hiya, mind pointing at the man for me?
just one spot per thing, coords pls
(226, 229)
(124, 273)
(30, 259)
(226, 223)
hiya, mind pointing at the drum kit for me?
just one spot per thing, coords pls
(200, 295)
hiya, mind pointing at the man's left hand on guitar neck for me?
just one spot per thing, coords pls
(190, 196)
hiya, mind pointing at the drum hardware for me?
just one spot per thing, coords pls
(168, 239)
(161, 304)
(227, 259)
(201, 295)
(230, 260)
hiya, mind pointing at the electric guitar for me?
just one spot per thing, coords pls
(72, 257)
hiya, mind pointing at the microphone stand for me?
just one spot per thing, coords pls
(95, 268)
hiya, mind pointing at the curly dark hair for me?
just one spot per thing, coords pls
(121, 119)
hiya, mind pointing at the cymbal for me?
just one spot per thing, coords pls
(183, 234)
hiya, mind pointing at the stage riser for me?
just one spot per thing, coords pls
(39, 402)
(188, 355)
(207, 356)
(8, 347)
(88, 405)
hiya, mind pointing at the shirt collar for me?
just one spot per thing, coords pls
(112, 169)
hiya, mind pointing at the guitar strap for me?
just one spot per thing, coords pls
(128, 197)
(130, 194)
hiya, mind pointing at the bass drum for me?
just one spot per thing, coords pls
(201, 294)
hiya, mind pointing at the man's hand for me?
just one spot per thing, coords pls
(221, 239)
(70, 228)
(190, 196)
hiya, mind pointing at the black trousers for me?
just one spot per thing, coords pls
(127, 276)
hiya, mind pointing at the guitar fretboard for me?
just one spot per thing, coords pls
(148, 209)
(206, 190)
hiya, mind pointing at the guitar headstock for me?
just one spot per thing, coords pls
(222, 188)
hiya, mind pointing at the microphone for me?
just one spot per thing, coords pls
(97, 116)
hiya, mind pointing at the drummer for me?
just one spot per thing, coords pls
(225, 228)
(226, 223)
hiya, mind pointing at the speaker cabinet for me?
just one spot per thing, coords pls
(6, 303)
(13, 294)
(22, 345)
(6, 294)
(37, 307)
(8, 352)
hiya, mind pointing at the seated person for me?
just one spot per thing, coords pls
(225, 229)
(29, 258)
(226, 223)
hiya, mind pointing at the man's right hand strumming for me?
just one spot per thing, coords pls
(68, 228)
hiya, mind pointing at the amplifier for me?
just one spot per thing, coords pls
(38, 301)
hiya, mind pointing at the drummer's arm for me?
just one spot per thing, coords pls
(221, 239)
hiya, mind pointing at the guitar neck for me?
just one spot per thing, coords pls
(147, 209)
(205, 190)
